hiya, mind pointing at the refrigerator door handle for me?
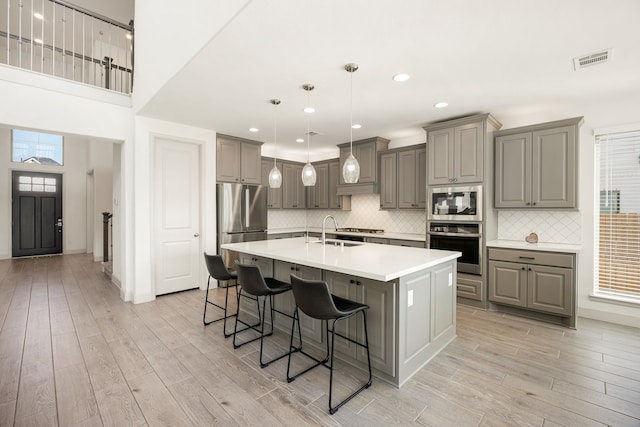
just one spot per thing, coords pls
(247, 208)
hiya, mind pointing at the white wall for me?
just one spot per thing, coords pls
(168, 37)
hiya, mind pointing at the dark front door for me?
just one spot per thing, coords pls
(36, 213)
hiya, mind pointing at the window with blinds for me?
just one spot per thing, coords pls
(618, 226)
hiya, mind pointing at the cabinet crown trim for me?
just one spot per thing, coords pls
(462, 121)
(574, 121)
(237, 138)
(377, 139)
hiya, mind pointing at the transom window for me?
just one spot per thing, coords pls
(37, 184)
(36, 147)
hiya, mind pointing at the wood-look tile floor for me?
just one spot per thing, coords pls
(72, 353)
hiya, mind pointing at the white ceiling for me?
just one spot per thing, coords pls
(478, 56)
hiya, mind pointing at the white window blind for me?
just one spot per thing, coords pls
(618, 226)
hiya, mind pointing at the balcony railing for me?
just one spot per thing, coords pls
(60, 39)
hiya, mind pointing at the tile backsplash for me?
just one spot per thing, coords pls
(365, 213)
(550, 226)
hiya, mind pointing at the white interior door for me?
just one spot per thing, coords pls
(176, 215)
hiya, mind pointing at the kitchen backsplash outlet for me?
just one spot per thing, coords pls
(550, 226)
(365, 213)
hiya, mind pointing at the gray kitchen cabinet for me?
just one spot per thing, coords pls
(274, 195)
(310, 328)
(536, 166)
(318, 195)
(377, 240)
(469, 286)
(388, 181)
(366, 152)
(541, 281)
(412, 175)
(293, 191)
(380, 297)
(402, 178)
(456, 155)
(238, 160)
(455, 149)
(409, 243)
(335, 201)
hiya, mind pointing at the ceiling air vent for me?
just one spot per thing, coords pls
(312, 133)
(596, 58)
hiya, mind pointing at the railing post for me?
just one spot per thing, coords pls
(106, 216)
(107, 70)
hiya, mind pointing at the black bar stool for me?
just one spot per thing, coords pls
(226, 279)
(253, 285)
(315, 300)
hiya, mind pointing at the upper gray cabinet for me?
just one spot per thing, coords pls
(536, 166)
(293, 191)
(238, 160)
(366, 152)
(274, 195)
(318, 195)
(403, 178)
(456, 149)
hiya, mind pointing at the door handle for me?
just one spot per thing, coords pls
(196, 235)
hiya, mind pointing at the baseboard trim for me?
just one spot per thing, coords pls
(606, 316)
(139, 299)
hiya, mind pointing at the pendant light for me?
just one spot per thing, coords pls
(308, 171)
(275, 177)
(351, 168)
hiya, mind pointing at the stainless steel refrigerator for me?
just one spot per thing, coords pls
(242, 216)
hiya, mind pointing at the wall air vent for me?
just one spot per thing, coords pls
(596, 58)
(313, 133)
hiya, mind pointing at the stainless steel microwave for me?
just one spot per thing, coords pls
(455, 203)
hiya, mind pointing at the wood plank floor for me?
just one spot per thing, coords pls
(72, 353)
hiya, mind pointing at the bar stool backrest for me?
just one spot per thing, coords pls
(216, 267)
(251, 280)
(314, 298)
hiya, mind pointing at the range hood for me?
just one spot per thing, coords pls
(366, 152)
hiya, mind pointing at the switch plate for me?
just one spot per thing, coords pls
(450, 279)
(410, 298)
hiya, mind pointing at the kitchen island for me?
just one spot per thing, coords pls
(410, 292)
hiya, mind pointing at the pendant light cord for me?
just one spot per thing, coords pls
(275, 134)
(308, 125)
(351, 116)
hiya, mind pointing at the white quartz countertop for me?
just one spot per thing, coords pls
(377, 262)
(543, 247)
(386, 235)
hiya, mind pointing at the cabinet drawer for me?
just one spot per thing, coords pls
(410, 243)
(469, 288)
(532, 257)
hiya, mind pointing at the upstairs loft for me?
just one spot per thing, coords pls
(57, 38)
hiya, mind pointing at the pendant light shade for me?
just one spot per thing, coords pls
(308, 171)
(275, 177)
(351, 167)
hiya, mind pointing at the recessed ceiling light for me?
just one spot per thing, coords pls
(441, 104)
(39, 41)
(402, 77)
(300, 140)
(253, 129)
(356, 126)
(309, 110)
(38, 15)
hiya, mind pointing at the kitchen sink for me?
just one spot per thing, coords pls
(344, 243)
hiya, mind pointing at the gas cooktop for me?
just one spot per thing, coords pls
(360, 230)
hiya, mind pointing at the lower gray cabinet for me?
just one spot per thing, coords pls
(310, 328)
(540, 281)
(469, 286)
(380, 297)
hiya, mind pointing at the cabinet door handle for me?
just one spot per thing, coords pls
(534, 203)
(527, 203)
(293, 268)
(529, 268)
(352, 281)
(527, 257)
(523, 268)
(358, 283)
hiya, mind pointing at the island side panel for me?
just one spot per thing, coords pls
(426, 317)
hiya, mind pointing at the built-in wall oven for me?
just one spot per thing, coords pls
(460, 237)
(460, 203)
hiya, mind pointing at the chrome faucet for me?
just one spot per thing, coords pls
(324, 238)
